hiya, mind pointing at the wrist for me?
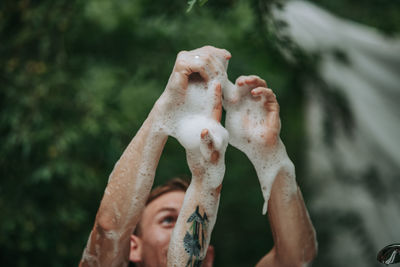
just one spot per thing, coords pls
(210, 180)
(270, 163)
(273, 157)
(156, 122)
(161, 106)
(262, 154)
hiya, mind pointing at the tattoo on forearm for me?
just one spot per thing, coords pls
(194, 242)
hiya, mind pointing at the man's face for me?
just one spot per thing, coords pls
(156, 225)
(158, 221)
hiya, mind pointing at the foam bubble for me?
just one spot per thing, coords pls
(192, 117)
(268, 165)
(246, 124)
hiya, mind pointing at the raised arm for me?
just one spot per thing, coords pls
(192, 232)
(253, 123)
(199, 131)
(133, 175)
(124, 198)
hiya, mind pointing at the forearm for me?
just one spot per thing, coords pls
(293, 233)
(192, 233)
(125, 196)
(132, 178)
(268, 163)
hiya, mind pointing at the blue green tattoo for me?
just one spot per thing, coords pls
(193, 242)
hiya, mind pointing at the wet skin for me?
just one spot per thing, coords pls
(150, 247)
(131, 180)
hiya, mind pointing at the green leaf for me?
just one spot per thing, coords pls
(191, 4)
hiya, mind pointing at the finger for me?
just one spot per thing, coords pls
(224, 53)
(261, 91)
(214, 63)
(246, 83)
(228, 55)
(218, 139)
(211, 49)
(204, 133)
(217, 109)
(207, 58)
(222, 58)
(219, 64)
(271, 103)
(273, 119)
(243, 88)
(198, 67)
(219, 58)
(250, 81)
(210, 63)
(240, 80)
(186, 65)
(207, 146)
(229, 94)
(213, 141)
(254, 80)
(178, 82)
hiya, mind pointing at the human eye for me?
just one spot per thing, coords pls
(168, 221)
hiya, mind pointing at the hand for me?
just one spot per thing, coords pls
(252, 116)
(252, 119)
(206, 160)
(191, 85)
(205, 157)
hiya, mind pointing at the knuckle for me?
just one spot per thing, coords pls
(240, 78)
(180, 64)
(182, 53)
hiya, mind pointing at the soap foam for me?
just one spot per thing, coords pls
(246, 123)
(192, 118)
(210, 206)
(268, 165)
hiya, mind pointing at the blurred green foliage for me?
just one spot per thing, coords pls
(191, 4)
(381, 14)
(78, 78)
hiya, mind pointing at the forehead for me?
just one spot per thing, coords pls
(170, 200)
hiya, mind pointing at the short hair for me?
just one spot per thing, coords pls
(175, 184)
